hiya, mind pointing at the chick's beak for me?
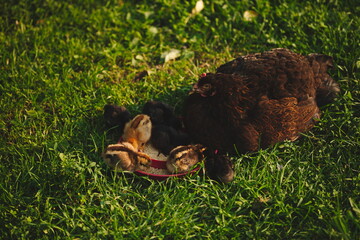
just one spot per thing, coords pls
(194, 89)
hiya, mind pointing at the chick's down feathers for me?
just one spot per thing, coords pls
(124, 157)
(183, 158)
(138, 130)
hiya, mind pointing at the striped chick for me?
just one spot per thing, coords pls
(124, 157)
(183, 158)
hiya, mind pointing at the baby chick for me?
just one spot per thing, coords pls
(183, 158)
(124, 157)
(166, 133)
(138, 131)
(218, 166)
(116, 116)
(161, 113)
(165, 138)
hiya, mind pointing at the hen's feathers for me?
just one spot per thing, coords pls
(259, 99)
(279, 119)
(328, 88)
(287, 74)
(281, 72)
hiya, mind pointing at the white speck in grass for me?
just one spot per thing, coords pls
(250, 15)
(171, 54)
(62, 156)
(153, 30)
(199, 6)
(134, 42)
(147, 14)
(139, 57)
(279, 166)
(100, 76)
(133, 62)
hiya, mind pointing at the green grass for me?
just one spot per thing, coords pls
(62, 61)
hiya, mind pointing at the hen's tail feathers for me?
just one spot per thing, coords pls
(328, 89)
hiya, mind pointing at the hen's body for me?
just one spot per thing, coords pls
(259, 99)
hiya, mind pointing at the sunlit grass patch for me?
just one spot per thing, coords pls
(62, 61)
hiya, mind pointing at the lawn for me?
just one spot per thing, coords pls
(62, 61)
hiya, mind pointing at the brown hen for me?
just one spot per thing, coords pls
(259, 99)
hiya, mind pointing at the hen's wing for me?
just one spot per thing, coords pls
(282, 72)
(281, 119)
(276, 120)
(308, 114)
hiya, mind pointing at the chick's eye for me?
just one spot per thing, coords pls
(206, 86)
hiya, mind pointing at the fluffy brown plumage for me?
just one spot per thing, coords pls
(259, 99)
(165, 138)
(167, 129)
(161, 114)
(219, 166)
(116, 116)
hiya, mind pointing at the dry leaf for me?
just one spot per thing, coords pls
(171, 55)
(153, 30)
(250, 15)
(198, 7)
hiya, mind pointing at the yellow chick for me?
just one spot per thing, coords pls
(138, 131)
